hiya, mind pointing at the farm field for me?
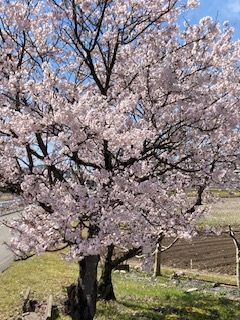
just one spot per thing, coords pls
(212, 254)
(209, 253)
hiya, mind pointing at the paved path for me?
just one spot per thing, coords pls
(6, 256)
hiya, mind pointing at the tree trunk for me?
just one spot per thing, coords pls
(83, 297)
(105, 286)
(158, 253)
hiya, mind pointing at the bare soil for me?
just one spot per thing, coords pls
(210, 253)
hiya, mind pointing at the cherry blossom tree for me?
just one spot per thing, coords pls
(110, 113)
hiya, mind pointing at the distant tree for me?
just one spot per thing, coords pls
(110, 113)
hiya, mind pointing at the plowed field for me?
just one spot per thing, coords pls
(213, 254)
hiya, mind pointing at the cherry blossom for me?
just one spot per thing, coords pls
(111, 113)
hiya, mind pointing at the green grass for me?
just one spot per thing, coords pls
(222, 193)
(47, 274)
(142, 298)
(139, 296)
(224, 212)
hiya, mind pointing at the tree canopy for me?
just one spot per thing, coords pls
(110, 113)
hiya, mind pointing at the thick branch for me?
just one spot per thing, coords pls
(170, 245)
(127, 255)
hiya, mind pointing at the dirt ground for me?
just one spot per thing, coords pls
(212, 253)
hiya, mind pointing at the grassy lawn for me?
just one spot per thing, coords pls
(226, 211)
(139, 299)
(138, 295)
(47, 274)
(222, 193)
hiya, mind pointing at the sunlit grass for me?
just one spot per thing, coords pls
(223, 193)
(46, 274)
(224, 212)
(143, 298)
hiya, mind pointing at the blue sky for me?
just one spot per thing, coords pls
(220, 10)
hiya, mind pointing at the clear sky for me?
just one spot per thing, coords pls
(220, 10)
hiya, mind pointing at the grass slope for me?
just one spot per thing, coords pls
(46, 274)
(224, 212)
(138, 295)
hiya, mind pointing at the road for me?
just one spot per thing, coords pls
(6, 256)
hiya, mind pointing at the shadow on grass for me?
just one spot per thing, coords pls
(184, 307)
(168, 311)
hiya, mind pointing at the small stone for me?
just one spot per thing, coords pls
(192, 290)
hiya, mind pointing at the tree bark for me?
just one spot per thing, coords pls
(83, 297)
(105, 287)
(158, 254)
(87, 287)
(158, 251)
